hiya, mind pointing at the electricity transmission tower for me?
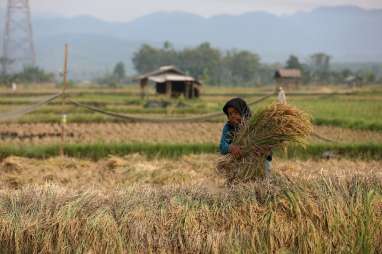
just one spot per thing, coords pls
(18, 48)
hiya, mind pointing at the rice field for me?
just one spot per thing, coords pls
(175, 133)
(125, 187)
(339, 107)
(132, 204)
(115, 172)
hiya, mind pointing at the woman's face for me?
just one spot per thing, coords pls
(234, 116)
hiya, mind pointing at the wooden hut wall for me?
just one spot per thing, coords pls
(160, 88)
(177, 87)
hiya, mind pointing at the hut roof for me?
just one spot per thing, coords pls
(168, 73)
(353, 79)
(162, 70)
(170, 77)
(288, 73)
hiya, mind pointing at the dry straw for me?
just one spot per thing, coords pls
(275, 127)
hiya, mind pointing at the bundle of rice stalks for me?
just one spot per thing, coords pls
(275, 127)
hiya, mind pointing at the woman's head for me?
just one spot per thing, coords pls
(236, 110)
(234, 116)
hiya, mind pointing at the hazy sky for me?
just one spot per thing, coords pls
(125, 10)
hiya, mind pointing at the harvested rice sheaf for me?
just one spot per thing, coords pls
(275, 127)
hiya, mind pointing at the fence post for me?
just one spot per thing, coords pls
(65, 85)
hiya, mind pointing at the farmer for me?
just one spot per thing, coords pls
(237, 112)
(281, 98)
(14, 87)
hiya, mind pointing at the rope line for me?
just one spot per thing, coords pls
(314, 134)
(161, 120)
(20, 112)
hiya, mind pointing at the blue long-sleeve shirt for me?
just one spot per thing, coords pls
(226, 139)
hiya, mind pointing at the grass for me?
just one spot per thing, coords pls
(114, 172)
(124, 109)
(172, 204)
(357, 112)
(360, 110)
(282, 215)
(352, 151)
(95, 118)
(99, 151)
(84, 116)
(354, 124)
(41, 133)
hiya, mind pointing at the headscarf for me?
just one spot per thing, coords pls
(240, 105)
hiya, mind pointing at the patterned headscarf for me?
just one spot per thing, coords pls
(240, 105)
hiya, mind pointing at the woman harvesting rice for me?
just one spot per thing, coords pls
(247, 140)
(238, 113)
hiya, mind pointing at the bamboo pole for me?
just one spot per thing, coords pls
(65, 86)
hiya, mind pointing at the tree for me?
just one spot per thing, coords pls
(293, 63)
(34, 74)
(119, 72)
(4, 63)
(368, 76)
(30, 74)
(242, 65)
(201, 60)
(167, 45)
(345, 73)
(146, 59)
(320, 65)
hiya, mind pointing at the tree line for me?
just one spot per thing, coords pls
(29, 74)
(212, 66)
(205, 63)
(239, 67)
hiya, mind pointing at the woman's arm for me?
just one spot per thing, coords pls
(225, 143)
(225, 140)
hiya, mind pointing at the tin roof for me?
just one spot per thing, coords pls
(162, 70)
(168, 73)
(170, 77)
(288, 73)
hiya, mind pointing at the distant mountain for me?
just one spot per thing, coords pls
(90, 55)
(347, 33)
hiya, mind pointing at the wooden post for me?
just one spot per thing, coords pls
(187, 90)
(192, 91)
(168, 88)
(65, 86)
(143, 87)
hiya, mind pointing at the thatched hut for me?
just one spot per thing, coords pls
(353, 81)
(171, 81)
(288, 77)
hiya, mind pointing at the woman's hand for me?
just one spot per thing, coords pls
(266, 150)
(235, 150)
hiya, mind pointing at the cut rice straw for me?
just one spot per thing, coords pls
(275, 127)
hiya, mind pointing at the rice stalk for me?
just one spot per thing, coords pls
(275, 127)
